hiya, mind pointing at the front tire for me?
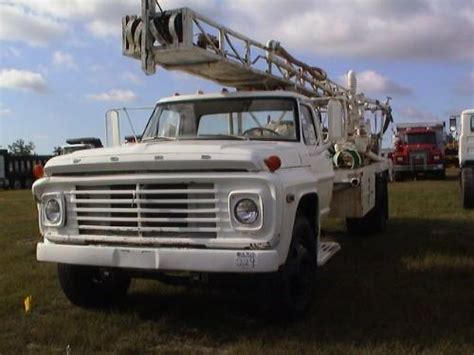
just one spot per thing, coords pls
(92, 287)
(296, 279)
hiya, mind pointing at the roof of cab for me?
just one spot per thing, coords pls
(234, 94)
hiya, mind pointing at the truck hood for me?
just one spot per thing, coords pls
(193, 155)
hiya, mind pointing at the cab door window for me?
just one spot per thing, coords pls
(307, 124)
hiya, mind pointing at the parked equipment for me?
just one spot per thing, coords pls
(17, 172)
(218, 184)
(466, 155)
(419, 149)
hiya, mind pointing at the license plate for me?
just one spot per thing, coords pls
(245, 260)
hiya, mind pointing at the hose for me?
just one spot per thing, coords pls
(347, 159)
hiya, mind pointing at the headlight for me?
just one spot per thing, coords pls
(246, 211)
(399, 159)
(436, 157)
(53, 210)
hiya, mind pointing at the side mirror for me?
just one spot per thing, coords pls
(335, 120)
(112, 128)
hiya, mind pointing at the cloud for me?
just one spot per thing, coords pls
(113, 95)
(4, 111)
(465, 86)
(100, 18)
(18, 24)
(371, 82)
(24, 80)
(406, 29)
(10, 52)
(390, 29)
(414, 114)
(133, 78)
(64, 59)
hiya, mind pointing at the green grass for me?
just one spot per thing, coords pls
(409, 290)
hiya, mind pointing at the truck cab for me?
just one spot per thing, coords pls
(419, 149)
(466, 158)
(218, 183)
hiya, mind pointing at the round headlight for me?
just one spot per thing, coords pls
(52, 211)
(246, 211)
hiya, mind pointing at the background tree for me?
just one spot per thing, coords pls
(21, 148)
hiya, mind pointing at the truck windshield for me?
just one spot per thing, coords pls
(261, 119)
(421, 138)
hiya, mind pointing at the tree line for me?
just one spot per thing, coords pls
(22, 148)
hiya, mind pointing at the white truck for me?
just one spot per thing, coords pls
(466, 157)
(227, 183)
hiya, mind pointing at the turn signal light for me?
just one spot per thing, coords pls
(38, 171)
(273, 163)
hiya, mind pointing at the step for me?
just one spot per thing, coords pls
(326, 251)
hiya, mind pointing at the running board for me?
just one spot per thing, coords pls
(326, 251)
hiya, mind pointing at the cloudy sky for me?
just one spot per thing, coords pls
(61, 65)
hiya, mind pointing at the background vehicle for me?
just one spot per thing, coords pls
(419, 149)
(75, 144)
(466, 156)
(226, 183)
(16, 172)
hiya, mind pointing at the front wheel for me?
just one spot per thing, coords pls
(296, 279)
(89, 286)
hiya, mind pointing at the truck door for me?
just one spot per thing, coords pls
(320, 162)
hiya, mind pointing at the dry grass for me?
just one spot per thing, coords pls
(409, 290)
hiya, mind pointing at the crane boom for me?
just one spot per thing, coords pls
(181, 39)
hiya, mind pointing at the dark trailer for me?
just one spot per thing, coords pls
(16, 172)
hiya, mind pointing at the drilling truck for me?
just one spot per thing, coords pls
(232, 183)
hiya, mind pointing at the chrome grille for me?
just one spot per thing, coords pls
(418, 159)
(179, 210)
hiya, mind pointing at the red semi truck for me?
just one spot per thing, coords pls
(419, 149)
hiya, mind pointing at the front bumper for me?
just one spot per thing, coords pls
(170, 259)
(418, 168)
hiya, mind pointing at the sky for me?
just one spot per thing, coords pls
(62, 68)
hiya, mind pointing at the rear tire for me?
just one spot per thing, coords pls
(376, 220)
(92, 287)
(467, 187)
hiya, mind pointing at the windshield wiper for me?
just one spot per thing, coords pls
(215, 136)
(158, 138)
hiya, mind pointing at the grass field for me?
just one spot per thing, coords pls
(410, 290)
